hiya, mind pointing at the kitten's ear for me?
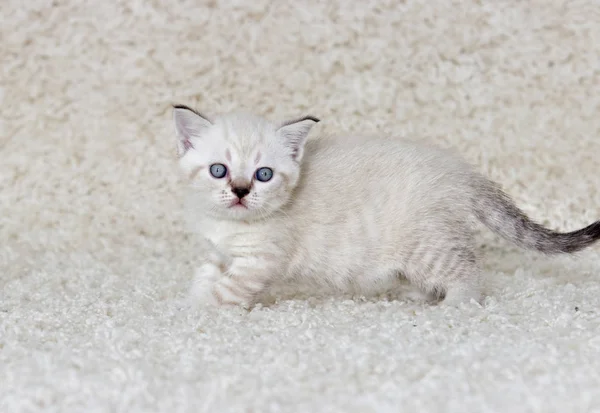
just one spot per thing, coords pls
(189, 124)
(295, 132)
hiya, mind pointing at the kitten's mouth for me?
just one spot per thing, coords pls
(238, 203)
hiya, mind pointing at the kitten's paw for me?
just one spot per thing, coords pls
(202, 290)
(229, 292)
(462, 294)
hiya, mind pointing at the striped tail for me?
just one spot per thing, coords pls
(498, 212)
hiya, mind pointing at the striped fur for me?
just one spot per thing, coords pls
(347, 212)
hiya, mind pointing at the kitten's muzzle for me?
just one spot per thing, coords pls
(240, 191)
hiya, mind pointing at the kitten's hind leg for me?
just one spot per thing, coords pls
(453, 274)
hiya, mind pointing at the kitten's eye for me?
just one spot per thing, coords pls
(218, 170)
(264, 174)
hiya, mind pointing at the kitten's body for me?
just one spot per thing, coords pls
(353, 213)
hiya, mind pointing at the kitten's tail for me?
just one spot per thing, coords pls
(497, 211)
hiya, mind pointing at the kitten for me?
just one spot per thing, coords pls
(348, 212)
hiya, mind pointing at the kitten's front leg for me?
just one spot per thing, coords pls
(205, 278)
(207, 274)
(244, 281)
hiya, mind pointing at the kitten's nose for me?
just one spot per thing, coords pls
(240, 191)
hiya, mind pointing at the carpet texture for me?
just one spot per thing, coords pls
(94, 258)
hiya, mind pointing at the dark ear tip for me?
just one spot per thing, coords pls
(178, 106)
(194, 111)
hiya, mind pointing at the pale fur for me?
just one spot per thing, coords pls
(349, 212)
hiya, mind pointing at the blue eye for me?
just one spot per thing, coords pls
(218, 170)
(264, 174)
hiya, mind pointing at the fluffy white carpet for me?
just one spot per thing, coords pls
(93, 257)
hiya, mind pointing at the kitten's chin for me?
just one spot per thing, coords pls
(239, 213)
(243, 212)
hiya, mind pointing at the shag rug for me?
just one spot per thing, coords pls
(94, 258)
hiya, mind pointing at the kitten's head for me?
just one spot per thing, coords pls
(241, 166)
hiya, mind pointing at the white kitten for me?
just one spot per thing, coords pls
(348, 212)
